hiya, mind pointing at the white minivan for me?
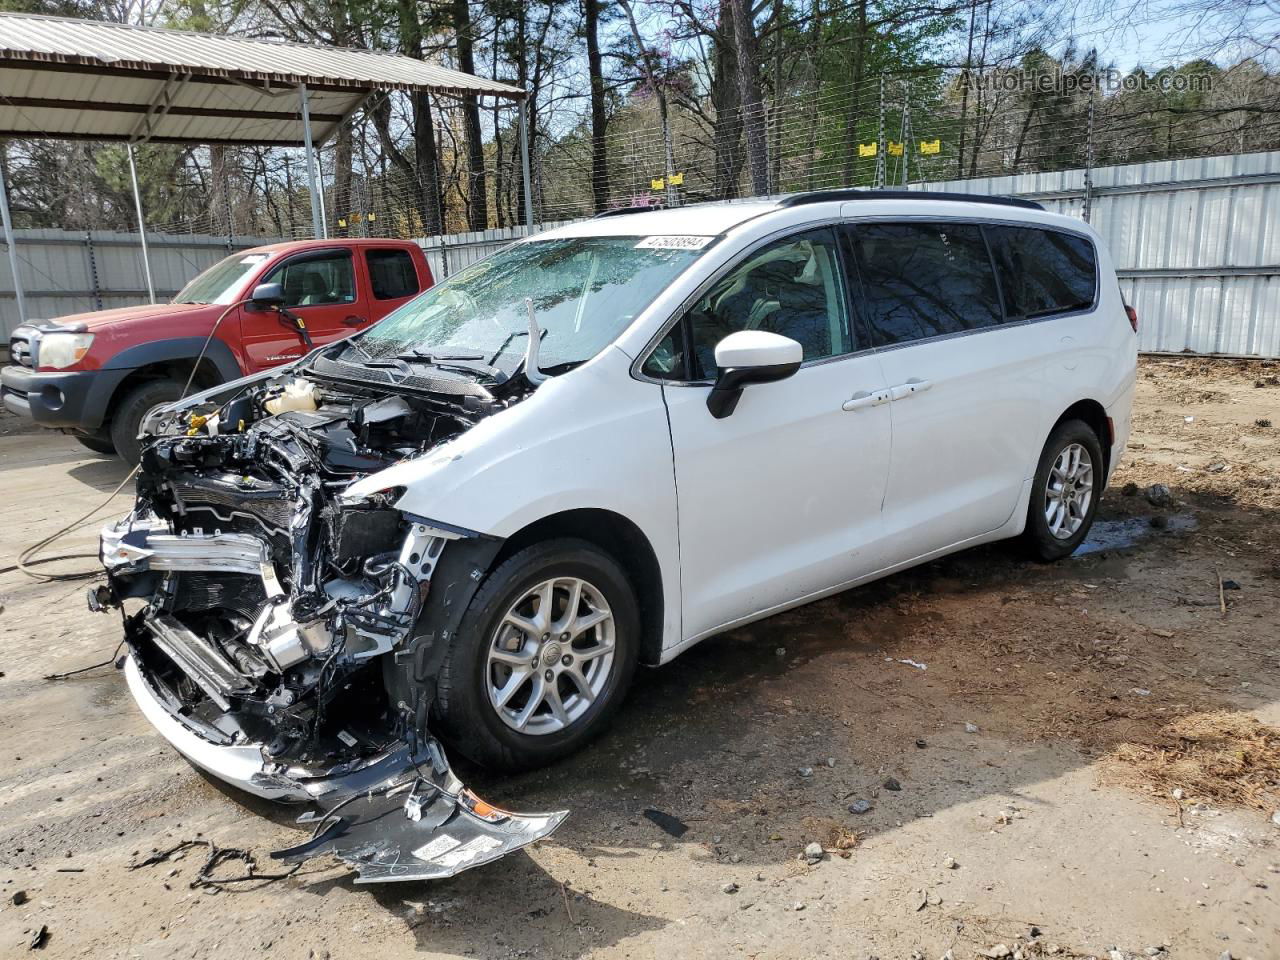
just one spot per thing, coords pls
(595, 448)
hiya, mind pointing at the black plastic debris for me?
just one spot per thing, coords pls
(673, 826)
(422, 825)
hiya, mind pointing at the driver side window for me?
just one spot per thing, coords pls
(793, 287)
(316, 281)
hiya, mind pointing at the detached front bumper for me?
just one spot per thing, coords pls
(400, 816)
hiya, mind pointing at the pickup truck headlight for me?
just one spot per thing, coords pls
(61, 350)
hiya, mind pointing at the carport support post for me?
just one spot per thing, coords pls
(317, 214)
(142, 225)
(13, 248)
(524, 159)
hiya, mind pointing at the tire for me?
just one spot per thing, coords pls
(465, 713)
(101, 445)
(1048, 540)
(126, 420)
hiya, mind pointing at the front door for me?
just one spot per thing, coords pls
(320, 287)
(781, 499)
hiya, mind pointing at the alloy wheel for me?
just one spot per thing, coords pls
(1069, 491)
(551, 656)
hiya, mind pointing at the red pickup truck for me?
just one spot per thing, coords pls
(97, 375)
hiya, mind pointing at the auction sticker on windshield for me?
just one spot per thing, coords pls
(673, 243)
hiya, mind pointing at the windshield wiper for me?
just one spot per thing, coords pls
(428, 356)
(454, 361)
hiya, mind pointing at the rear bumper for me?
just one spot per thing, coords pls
(66, 401)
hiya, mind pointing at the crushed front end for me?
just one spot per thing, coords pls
(284, 636)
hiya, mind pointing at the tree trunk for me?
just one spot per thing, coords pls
(726, 100)
(344, 204)
(964, 93)
(753, 119)
(599, 147)
(477, 193)
(854, 117)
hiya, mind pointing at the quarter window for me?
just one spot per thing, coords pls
(391, 274)
(923, 280)
(316, 280)
(791, 287)
(1043, 272)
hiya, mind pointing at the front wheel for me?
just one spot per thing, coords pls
(132, 410)
(1065, 492)
(542, 658)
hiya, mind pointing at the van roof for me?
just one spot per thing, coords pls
(718, 217)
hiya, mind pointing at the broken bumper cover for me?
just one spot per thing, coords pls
(400, 816)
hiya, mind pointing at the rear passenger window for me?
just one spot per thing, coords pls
(391, 274)
(792, 287)
(923, 280)
(1043, 272)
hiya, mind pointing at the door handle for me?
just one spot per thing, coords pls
(914, 385)
(353, 321)
(865, 398)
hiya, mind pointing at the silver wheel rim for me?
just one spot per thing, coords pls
(1069, 491)
(551, 656)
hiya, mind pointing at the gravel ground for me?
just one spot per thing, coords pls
(1013, 789)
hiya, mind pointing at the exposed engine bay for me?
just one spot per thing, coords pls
(285, 636)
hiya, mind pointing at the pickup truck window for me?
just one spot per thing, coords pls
(222, 282)
(316, 279)
(391, 274)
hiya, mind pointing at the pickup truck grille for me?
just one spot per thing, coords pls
(21, 349)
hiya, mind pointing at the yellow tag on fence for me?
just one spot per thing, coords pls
(658, 184)
(930, 146)
(676, 179)
(895, 149)
(868, 149)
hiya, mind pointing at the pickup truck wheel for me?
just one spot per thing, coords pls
(542, 658)
(96, 444)
(1065, 491)
(133, 408)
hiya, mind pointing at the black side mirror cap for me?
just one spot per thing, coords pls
(724, 396)
(268, 295)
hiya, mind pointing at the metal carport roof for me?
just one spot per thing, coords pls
(66, 79)
(83, 79)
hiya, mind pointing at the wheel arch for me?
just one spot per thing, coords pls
(168, 359)
(1094, 414)
(625, 542)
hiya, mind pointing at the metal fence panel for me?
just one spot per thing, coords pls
(65, 272)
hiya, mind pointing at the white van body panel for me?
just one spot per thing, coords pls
(788, 499)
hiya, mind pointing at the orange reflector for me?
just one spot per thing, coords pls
(482, 809)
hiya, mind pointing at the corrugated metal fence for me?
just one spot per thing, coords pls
(67, 272)
(1195, 244)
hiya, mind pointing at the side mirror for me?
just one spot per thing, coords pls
(750, 356)
(268, 295)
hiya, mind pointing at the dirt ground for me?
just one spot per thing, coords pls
(1077, 769)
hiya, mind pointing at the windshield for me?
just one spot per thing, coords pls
(585, 291)
(221, 282)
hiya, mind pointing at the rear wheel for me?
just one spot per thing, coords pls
(1065, 492)
(133, 408)
(542, 658)
(96, 444)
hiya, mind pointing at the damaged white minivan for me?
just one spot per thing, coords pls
(590, 451)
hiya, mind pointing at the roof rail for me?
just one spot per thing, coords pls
(822, 196)
(622, 211)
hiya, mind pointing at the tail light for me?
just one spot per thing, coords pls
(1133, 317)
